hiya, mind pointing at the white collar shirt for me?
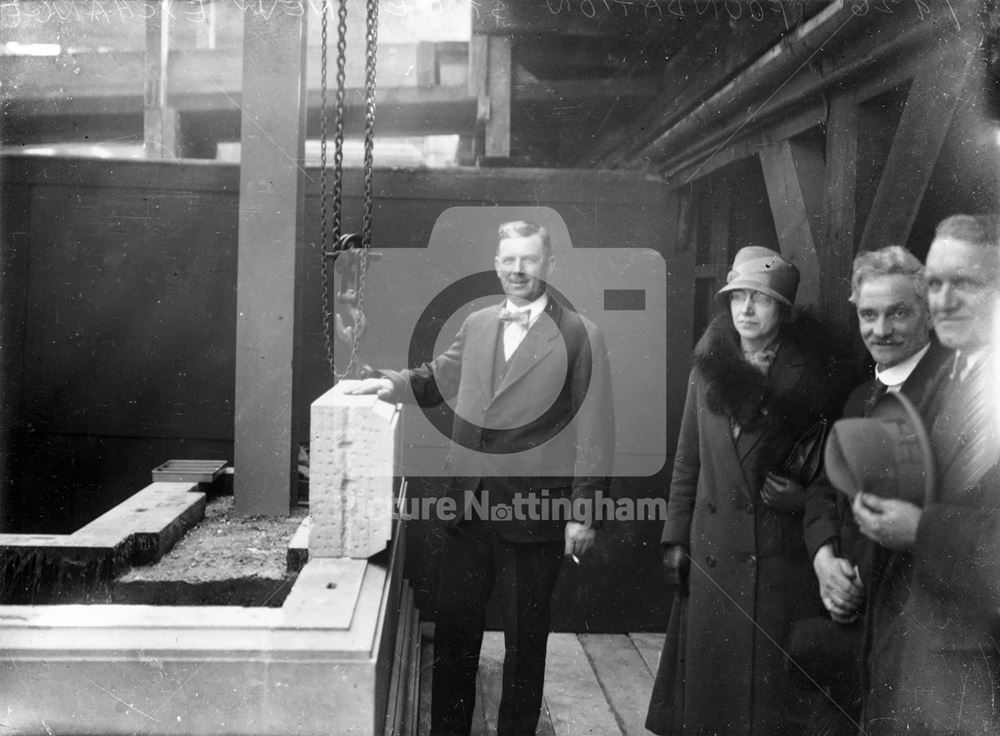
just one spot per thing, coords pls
(513, 333)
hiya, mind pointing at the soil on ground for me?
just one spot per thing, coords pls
(226, 559)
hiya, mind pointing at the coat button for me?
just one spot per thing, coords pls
(711, 507)
(752, 560)
(710, 561)
(750, 508)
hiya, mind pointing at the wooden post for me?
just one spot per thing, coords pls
(268, 290)
(930, 105)
(791, 172)
(159, 122)
(490, 79)
(837, 252)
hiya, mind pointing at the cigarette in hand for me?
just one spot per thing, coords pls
(575, 559)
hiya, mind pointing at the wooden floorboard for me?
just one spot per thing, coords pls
(595, 684)
(649, 646)
(573, 694)
(491, 678)
(426, 673)
(624, 678)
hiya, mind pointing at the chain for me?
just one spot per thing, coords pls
(338, 141)
(371, 57)
(324, 241)
(340, 243)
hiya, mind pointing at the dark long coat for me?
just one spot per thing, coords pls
(723, 668)
(885, 574)
(949, 672)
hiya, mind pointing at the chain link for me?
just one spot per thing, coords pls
(333, 243)
(338, 140)
(371, 58)
(324, 240)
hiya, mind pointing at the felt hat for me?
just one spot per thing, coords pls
(888, 453)
(763, 270)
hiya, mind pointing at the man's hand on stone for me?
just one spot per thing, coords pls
(579, 539)
(839, 585)
(888, 521)
(379, 386)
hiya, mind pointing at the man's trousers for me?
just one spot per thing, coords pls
(474, 559)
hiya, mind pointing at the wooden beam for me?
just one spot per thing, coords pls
(933, 98)
(811, 116)
(268, 267)
(159, 120)
(832, 49)
(709, 59)
(836, 251)
(494, 100)
(790, 170)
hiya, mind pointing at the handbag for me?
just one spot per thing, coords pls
(806, 456)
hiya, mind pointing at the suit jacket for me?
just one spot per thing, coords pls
(545, 430)
(827, 514)
(885, 573)
(948, 676)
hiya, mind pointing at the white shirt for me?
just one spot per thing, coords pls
(513, 333)
(894, 376)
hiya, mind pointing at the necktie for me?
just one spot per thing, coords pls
(964, 431)
(515, 316)
(960, 366)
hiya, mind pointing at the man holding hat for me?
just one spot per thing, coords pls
(947, 661)
(855, 575)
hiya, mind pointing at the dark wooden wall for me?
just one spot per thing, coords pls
(118, 331)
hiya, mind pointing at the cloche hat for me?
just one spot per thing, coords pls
(763, 270)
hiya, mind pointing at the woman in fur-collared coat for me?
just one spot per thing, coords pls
(733, 545)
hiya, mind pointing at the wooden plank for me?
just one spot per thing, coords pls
(499, 75)
(426, 678)
(624, 677)
(413, 686)
(491, 658)
(708, 59)
(649, 647)
(786, 192)
(836, 252)
(268, 267)
(159, 121)
(491, 685)
(779, 82)
(573, 695)
(933, 99)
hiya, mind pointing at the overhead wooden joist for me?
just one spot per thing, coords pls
(708, 59)
(788, 76)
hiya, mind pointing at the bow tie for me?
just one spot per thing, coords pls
(516, 316)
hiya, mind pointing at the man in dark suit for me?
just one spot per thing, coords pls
(948, 676)
(890, 295)
(532, 444)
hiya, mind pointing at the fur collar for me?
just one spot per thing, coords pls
(738, 390)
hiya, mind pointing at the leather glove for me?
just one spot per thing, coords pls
(676, 565)
(783, 494)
